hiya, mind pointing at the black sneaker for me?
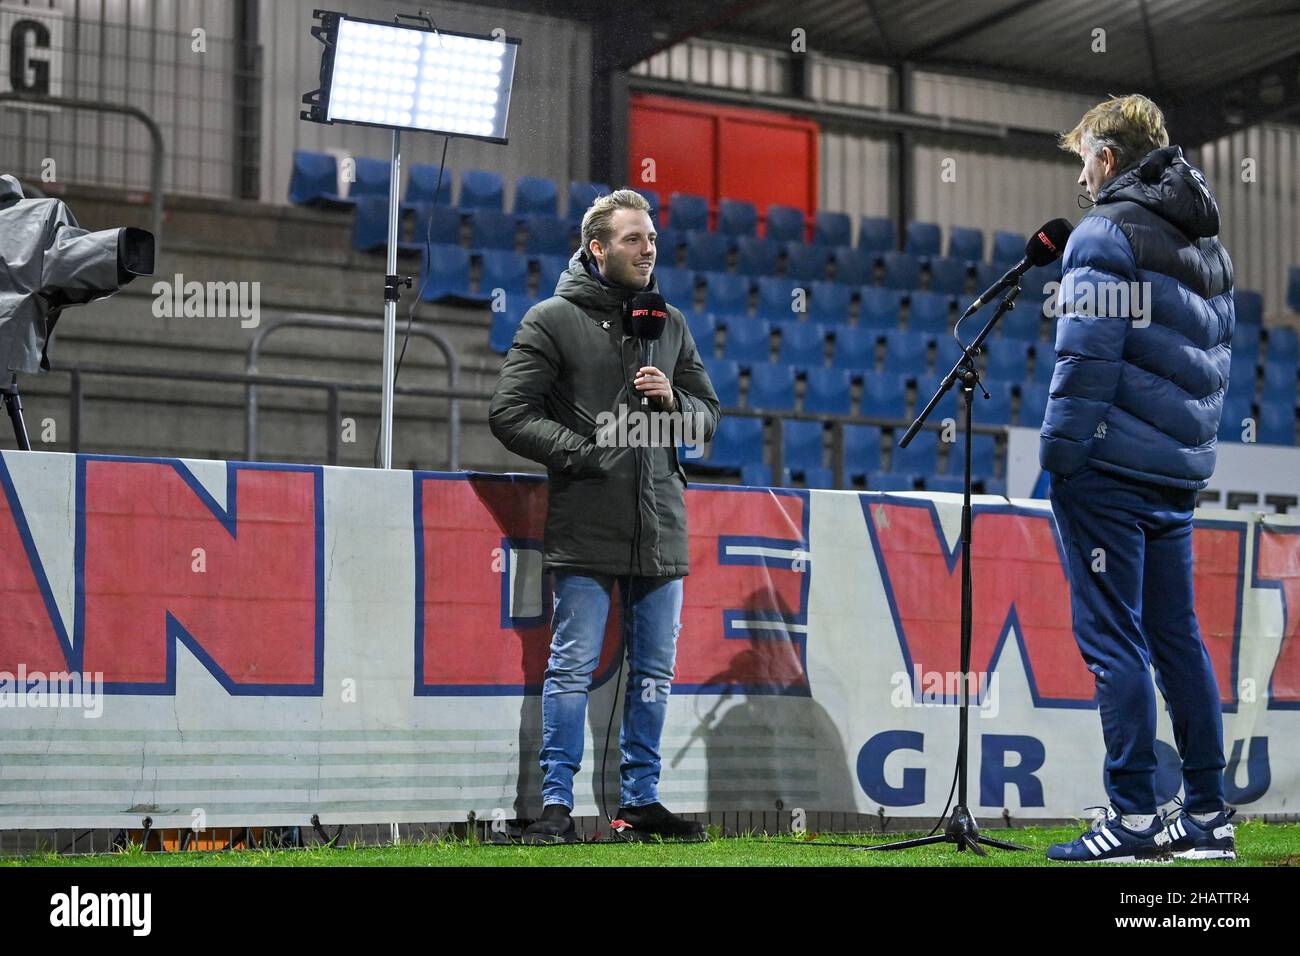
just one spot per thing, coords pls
(1215, 839)
(555, 826)
(654, 820)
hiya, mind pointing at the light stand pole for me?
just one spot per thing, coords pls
(391, 297)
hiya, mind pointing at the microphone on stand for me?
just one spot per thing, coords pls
(1044, 246)
(647, 313)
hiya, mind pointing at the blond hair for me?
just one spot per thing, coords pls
(598, 220)
(1130, 125)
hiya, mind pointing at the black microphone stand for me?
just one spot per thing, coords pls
(962, 828)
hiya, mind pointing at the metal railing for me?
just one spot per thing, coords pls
(308, 320)
(155, 136)
(331, 387)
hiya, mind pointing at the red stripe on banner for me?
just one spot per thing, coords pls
(1278, 563)
(241, 586)
(28, 638)
(1217, 574)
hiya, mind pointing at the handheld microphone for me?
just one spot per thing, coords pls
(647, 314)
(1044, 246)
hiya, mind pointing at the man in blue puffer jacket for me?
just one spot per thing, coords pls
(1143, 345)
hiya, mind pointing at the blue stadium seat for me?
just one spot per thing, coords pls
(756, 256)
(492, 229)
(444, 221)
(981, 458)
(920, 457)
(503, 269)
(832, 229)
(724, 376)
(876, 234)
(861, 452)
(1023, 324)
(1293, 289)
(884, 396)
(749, 341)
(582, 195)
(855, 347)
(1044, 363)
(1007, 361)
(703, 327)
(756, 475)
(707, 251)
(549, 235)
(853, 266)
(372, 177)
(668, 243)
(902, 270)
(777, 297)
(422, 181)
(887, 481)
(801, 445)
(687, 211)
(1037, 285)
(506, 322)
(1235, 411)
(481, 189)
(812, 478)
(802, 343)
(949, 406)
(828, 392)
(315, 181)
(952, 484)
(677, 286)
(923, 239)
(370, 226)
(652, 197)
(549, 270)
(726, 293)
(996, 410)
(966, 243)
(1249, 307)
(1008, 249)
(930, 312)
(446, 273)
(1277, 424)
(991, 486)
(1242, 377)
(737, 217)
(805, 262)
(830, 302)
(880, 308)
(1279, 382)
(771, 386)
(948, 274)
(1033, 405)
(946, 353)
(1282, 344)
(905, 351)
(737, 442)
(786, 224)
(535, 196)
(1246, 341)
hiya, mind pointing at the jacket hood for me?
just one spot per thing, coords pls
(1169, 186)
(582, 289)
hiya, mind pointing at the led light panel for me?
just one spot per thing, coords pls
(413, 78)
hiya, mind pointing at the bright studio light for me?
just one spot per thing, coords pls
(406, 77)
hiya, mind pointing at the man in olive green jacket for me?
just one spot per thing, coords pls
(569, 397)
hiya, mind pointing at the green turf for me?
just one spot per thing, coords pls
(1258, 844)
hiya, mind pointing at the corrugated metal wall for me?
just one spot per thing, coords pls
(549, 109)
(138, 53)
(1260, 205)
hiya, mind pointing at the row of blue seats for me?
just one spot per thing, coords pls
(738, 445)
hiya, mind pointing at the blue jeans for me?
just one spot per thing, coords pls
(1133, 610)
(578, 631)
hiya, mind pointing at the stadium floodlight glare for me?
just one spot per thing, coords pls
(400, 77)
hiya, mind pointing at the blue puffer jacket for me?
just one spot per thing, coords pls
(1138, 390)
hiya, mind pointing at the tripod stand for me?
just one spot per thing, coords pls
(962, 828)
(14, 406)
